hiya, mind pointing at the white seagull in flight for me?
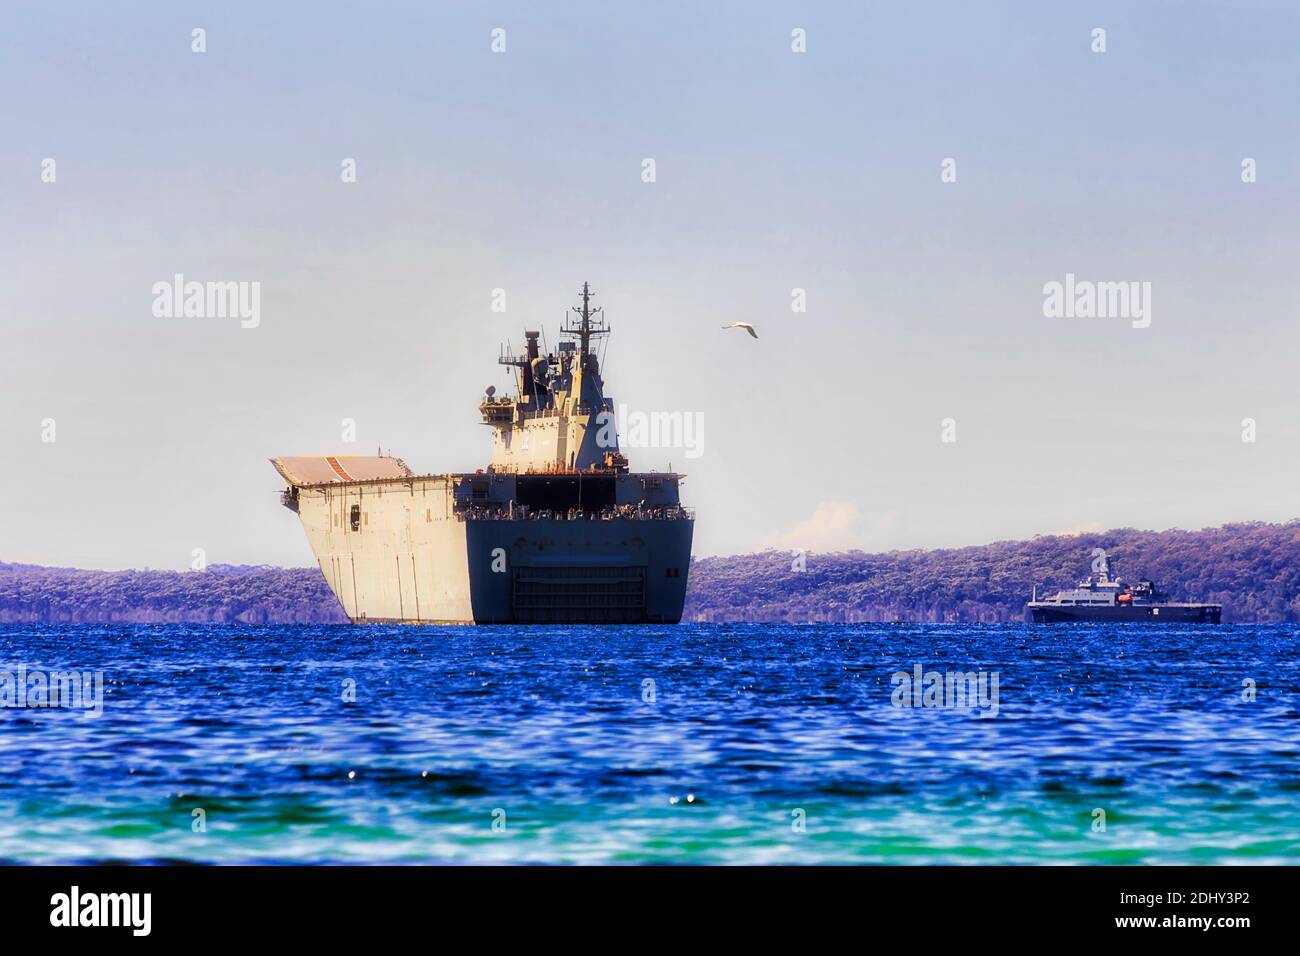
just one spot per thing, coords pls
(742, 325)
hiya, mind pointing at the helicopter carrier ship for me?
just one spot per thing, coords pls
(556, 529)
(1103, 597)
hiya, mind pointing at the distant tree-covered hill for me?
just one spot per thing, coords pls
(1253, 570)
(220, 594)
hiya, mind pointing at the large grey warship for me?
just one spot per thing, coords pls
(556, 529)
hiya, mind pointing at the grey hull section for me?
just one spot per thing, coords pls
(1155, 614)
(618, 571)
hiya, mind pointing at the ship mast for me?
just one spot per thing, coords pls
(591, 322)
(584, 333)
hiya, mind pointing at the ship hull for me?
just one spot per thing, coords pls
(1145, 614)
(411, 560)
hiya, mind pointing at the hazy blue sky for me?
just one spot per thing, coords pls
(775, 170)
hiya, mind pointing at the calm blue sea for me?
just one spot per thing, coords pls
(697, 744)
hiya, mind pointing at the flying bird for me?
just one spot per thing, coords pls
(742, 325)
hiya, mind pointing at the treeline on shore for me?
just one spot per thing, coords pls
(1252, 569)
(221, 594)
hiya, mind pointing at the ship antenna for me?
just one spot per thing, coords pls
(584, 329)
(585, 334)
(590, 325)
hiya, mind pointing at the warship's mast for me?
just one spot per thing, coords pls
(585, 332)
(590, 325)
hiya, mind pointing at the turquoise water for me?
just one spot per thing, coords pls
(755, 744)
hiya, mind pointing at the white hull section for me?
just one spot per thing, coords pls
(405, 561)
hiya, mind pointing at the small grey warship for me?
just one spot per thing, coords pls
(1103, 597)
(555, 530)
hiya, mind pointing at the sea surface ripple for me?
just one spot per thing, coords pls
(688, 744)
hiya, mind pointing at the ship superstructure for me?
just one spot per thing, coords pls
(1103, 596)
(556, 529)
(559, 420)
